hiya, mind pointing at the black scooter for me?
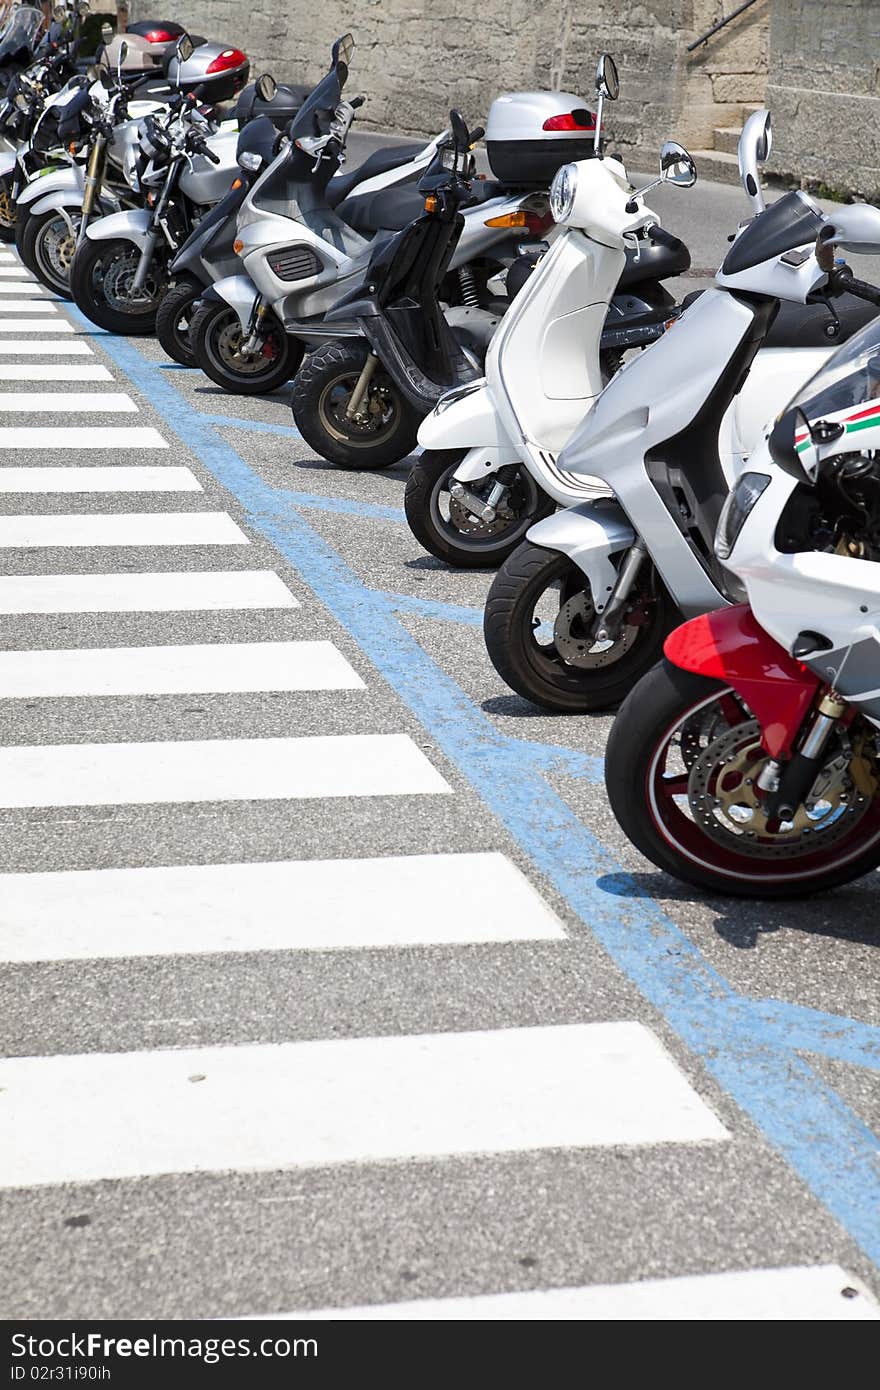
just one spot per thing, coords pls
(387, 356)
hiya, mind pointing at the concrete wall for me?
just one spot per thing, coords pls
(818, 62)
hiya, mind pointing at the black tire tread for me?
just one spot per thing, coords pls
(311, 379)
(238, 386)
(186, 289)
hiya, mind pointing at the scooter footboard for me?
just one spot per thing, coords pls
(589, 535)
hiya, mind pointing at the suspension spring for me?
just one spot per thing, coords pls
(468, 286)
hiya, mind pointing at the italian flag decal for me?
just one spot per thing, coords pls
(861, 419)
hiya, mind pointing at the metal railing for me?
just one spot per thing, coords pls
(720, 25)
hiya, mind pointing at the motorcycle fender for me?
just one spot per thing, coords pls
(240, 293)
(729, 645)
(64, 202)
(8, 161)
(62, 181)
(470, 421)
(132, 225)
(485, 459)
(589, 535)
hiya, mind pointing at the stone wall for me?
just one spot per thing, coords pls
(818, 62)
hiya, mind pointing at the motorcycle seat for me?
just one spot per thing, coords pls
(389, 208)
(661, 256)
(379, 162)
(806, 325)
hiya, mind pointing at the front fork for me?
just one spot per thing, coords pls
(788, 786)
(92, 185)
(152, 238)
(610, 623)
(254, 340)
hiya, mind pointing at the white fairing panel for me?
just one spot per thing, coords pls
(775, 376)
(468, 422)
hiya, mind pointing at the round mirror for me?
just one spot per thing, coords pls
(607, 80)
(184, 48)
(83, 7)
(676, 165)
(266, 86)
(107, 32)
(123, 52)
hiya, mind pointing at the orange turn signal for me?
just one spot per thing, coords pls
(72, 147)
(431, 203)
(238, 246)
(236, 183)
(509, 219)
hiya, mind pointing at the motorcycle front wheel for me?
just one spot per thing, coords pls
(682, 767)
(47, 247)
(101, 286)
(537, 625)
(7, 211)
(450, 530)
(174, 319)
(216, 338)
(385, 428)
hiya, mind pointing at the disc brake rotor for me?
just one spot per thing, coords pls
(572, 639)
(7, 209)
(507, 513)
(118, 277)
(371, 422)
(58, 247)
(229, 341)
(727, 803)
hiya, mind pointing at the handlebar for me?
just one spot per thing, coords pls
(201, 148)
(843, 280)
(356, 102)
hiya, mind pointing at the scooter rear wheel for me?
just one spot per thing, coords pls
(174, 319)
(383, 433)
(537, 629)
(47, 249)
(675, 770)
(100, 284)
(216, 338)
(447, 529)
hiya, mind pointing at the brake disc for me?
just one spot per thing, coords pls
(572, 639)
(726, 802)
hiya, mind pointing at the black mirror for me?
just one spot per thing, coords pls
(791, 446)
(460, 134)
(107, 79)
(266, 86)
(184, 48)
(342, 50)
(123, 52)
(607, 80)
(106, 32)
(676, 165)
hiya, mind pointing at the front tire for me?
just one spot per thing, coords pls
(448, 530)
(7, 211)
(216, 338)
(675, 770)
(100, 284)
(174, 319)
(47, 247)
(537, 629)
(385, 430)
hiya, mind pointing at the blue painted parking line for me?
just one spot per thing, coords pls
(750, 1055)
(430, 608)
(257, 426)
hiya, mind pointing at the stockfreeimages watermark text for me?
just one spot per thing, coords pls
(210, 1350)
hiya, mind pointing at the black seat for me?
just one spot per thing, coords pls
(341, 185)
(806, 325)
(389, 208)
(661, 256)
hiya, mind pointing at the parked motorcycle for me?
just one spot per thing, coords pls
(18, 41)
(301, 257)
(748, 761)
(482, 447)
(155, 66)
(118, 270)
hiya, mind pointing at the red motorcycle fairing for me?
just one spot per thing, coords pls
(730, 645)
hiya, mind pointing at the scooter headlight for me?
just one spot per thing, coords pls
(562, 192)
(736, 510)
(248, 160)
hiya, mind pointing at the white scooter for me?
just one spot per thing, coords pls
(581, 609)
(748, 762)
(543, 375)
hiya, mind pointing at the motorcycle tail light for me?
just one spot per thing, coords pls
(158, 36)
(571, 120)
(229, 58)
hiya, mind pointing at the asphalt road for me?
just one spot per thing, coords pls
(330, 982)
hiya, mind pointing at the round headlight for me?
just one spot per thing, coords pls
(562, 192)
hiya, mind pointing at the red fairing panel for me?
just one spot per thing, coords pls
(731, 646)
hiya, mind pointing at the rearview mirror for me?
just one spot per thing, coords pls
(266, 86)
(607, 80)
(676, 165)
(184, 48)
(459, 130)
(123, 52)
(342, 50)
(752, 150)
(106, 32)
(107, 79)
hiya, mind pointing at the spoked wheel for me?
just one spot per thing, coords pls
(538, 627)
(217, 339)
(101, 285)
(48, 246)
(449, 526)
(682, 768)
(174, 319)
(7, 211)
(383, 429)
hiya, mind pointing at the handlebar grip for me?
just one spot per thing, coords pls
(860, 288)
(209, 154)
(356, 102)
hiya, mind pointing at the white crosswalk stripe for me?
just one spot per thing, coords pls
(114, 478)
(79, 437)
(303, 905)
(345, 1101)
(53, 371)
(121, 529)
(28, 347)
(35, 305)
(66, 402)
(802, 1294)
(42, 325)
(168, 592)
